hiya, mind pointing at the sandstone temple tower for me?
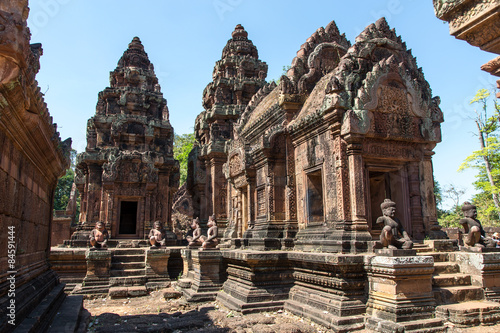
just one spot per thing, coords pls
(236, 78)
(127, 175)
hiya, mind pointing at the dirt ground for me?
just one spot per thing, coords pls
(154, 313)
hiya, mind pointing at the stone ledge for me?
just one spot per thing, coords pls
(396, 252)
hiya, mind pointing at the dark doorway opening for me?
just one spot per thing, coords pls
(128, 217)
(388, 184)
(315, 197)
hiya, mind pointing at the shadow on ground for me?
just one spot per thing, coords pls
(191, 321)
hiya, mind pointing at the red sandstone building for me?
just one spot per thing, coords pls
(127, 175)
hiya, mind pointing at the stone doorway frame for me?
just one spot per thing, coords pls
(399, 194)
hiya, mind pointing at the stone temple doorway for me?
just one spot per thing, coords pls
(128, 219)
(390, 183)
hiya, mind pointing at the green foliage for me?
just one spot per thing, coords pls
(487, 213)
(64, 184)
(183, 144)
(450, 218)
(285, 70)
(437, 193)
(63, 190)
(486, 160)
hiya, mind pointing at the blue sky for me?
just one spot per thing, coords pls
(83, 40)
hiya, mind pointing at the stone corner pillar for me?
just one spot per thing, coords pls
(208, 275)
(157, 268)
(98, 266)
(187, 272)
(484, 267)
(400, 291)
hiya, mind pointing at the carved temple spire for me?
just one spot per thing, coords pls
(238, 75)
(129, 151)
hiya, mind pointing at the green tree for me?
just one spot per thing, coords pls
(451, 217)
(183, 144)
(487, 159)
(64, 184)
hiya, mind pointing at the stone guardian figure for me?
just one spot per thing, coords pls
(393, 235)
(157, 235)
(99, 236)
(195, 240)
(211, 241)
(475, 235)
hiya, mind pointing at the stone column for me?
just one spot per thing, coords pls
(291, 225)
(432, 228)
(417, 223)
(357, 186)
(187, 272)
(209, 275)
(400, 292)
(98, 266)
(157, 268)
(218, 195)
(239, 214)
(94, 194)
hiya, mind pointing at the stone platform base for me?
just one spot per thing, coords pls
(246, 308)
(200, 296)
(421, 326)
(472, 313)
(474, 249)
(338, 324)
(263, 244)
(203, 276)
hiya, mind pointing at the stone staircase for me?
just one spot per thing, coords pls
(458, 300)
(128, 273)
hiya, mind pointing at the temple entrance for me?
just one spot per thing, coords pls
(388, 184)
(315, 197)
(128, 218)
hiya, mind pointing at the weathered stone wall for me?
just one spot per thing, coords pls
(310, 156)
(31, 159)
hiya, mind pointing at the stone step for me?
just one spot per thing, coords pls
(127, 265)
(128, 258)
(425, 325)
(448, 295)
(135, 291)
(446, 268)
(135, 251)
(473, 313)
(68, 317)
(438, 256)
(126, 272)
(139, 280)
(39, 319)
(451, 280)
(69, 287)
(422, 248)
(95, 290)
